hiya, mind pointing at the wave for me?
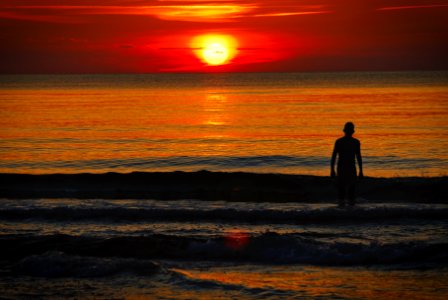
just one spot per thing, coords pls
(222, 163)
(204, 185)
(268, 248)
(59, 265)
(327, 214)
(53, 264)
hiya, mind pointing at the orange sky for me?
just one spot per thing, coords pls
(126, 36)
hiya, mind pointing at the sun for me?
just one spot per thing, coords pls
(214, 49)
(215, 54)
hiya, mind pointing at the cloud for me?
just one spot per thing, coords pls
(18, 15)
(297, 13)
(172, 10)
(196, 13)
(412, 7)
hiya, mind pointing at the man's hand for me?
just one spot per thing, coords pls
(361, 175)
(333, 173)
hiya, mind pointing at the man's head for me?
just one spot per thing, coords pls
(349, 128)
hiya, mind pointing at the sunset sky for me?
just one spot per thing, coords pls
(126, 36)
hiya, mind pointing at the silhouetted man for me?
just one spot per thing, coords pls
(346, 149)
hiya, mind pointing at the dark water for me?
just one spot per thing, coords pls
(187, 248)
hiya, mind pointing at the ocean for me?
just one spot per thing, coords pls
(254, 122)
(221, 233)
(190, 249)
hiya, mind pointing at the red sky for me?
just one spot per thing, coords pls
(127, 36)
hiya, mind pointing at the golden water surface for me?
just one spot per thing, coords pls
(403, 130)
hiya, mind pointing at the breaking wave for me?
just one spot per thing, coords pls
(254, 214)
(71, 254)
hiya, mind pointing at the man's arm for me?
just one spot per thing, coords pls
(333, 159)
(359, 159)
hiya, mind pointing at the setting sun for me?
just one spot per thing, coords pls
(215, 54)
(215, 50)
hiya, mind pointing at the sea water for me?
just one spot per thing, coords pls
(256, 122)
(189, 249)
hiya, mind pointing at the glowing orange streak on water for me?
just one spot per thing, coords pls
(318, 282)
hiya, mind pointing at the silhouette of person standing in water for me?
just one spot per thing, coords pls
(346, 149)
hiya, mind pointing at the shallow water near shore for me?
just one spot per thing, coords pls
(242, 282)
(59, 248)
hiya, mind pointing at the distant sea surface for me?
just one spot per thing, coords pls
(256, 122)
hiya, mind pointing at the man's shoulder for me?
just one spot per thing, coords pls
(347, 140)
